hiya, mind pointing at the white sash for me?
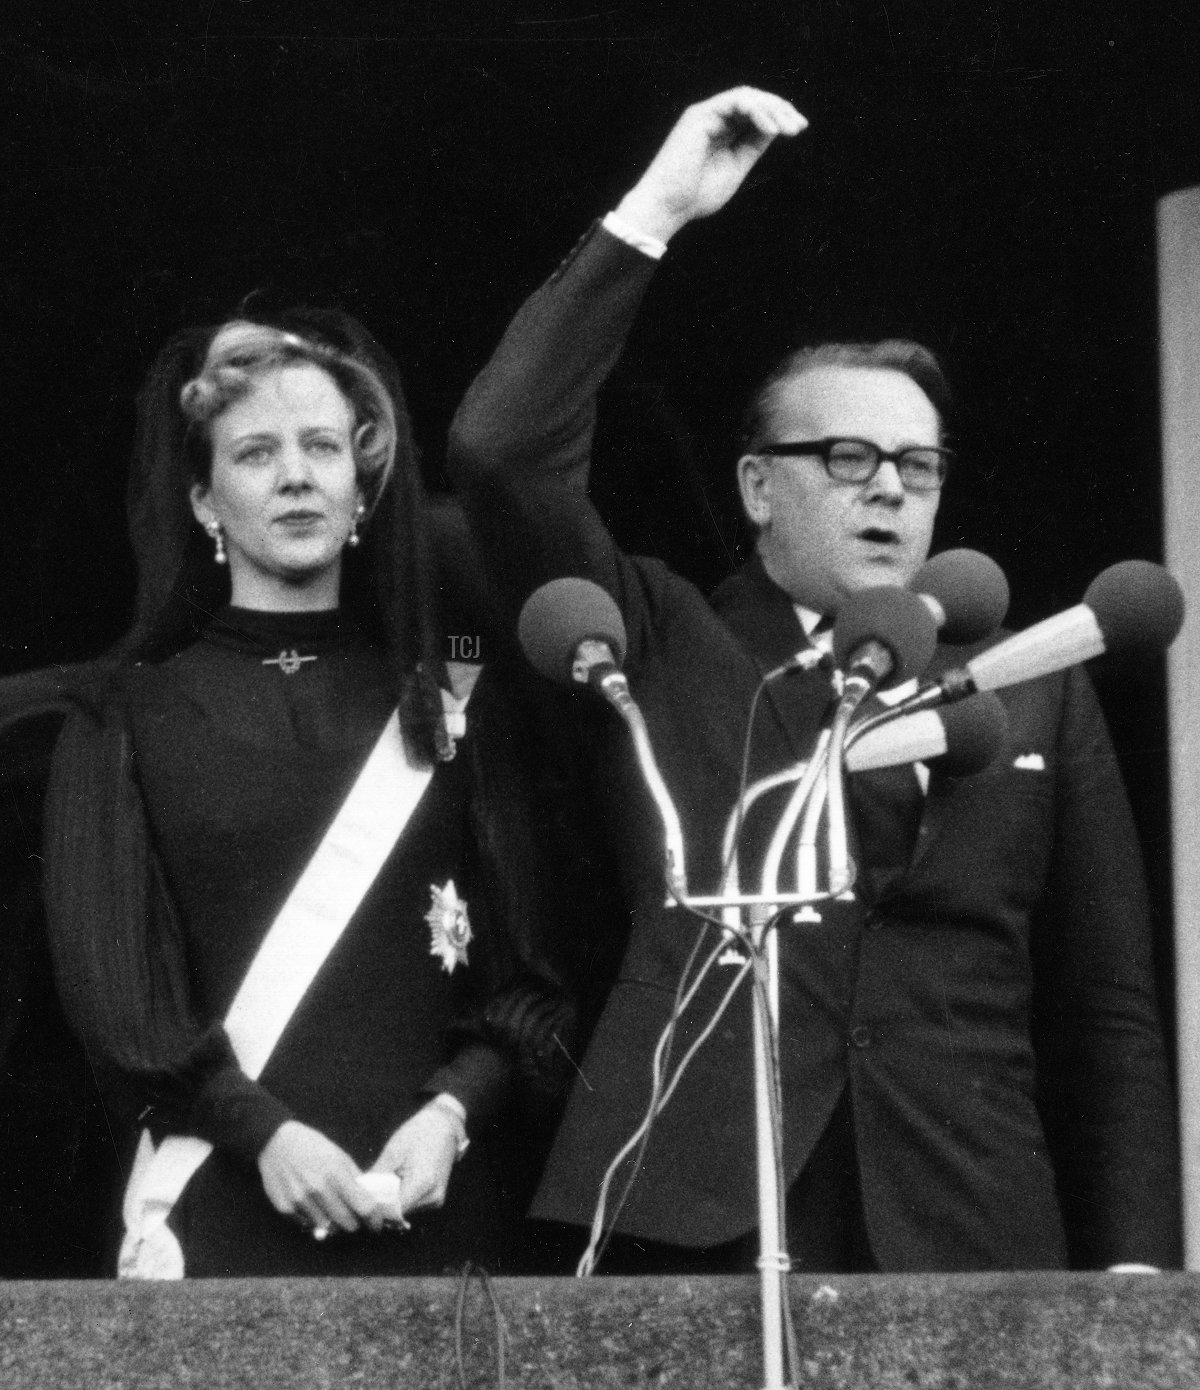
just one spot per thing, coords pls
(309, 924)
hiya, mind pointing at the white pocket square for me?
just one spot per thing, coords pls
(1030, 762)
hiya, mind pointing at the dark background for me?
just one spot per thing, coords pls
(981, 176)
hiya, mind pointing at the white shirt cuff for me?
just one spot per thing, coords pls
(451, 1103)
(625, 231)
(452, 1106)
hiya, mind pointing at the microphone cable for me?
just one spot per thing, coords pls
(795, 664)
(744, 774)
(470, 1270)
(661, 1091)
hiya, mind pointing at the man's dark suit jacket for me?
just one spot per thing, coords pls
(989, 1005)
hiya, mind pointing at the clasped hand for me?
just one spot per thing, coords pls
(307, 1176)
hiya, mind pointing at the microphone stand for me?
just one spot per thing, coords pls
(842, 870)
(756, 917)
(615, 689)
(760, 912)
(762, 909)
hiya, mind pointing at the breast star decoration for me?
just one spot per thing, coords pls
(449, 926)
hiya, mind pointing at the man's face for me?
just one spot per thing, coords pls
(819, 539)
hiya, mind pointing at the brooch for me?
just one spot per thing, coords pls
(289, 662)
(449, 926)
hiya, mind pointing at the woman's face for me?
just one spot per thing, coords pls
(283, 488)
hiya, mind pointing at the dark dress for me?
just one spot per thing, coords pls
(241, 765)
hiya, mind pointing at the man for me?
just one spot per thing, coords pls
(972, 1071)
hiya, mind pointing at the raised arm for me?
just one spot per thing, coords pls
(521, 442)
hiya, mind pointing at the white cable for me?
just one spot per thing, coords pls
(659, 1096)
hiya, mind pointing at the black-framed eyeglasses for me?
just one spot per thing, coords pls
(922, 468)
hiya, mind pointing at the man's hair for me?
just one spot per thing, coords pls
(891, 354)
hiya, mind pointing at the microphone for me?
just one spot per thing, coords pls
(962, 739)
(572, 632)
(966, 592)
(1133, 607)
(882, 635)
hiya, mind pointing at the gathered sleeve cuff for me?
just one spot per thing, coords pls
(237, 1114)
(479, 1077)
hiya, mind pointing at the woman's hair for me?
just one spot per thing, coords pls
(241, 352)
(890, 354)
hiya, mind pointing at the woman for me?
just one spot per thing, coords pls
(199, 776)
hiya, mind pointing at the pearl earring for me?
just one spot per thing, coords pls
(214, 530)
(359, 512)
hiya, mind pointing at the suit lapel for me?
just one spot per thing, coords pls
(762, 617)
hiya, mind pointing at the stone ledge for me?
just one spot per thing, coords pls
(907, 1332)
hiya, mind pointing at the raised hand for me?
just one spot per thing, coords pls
(705, 158)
